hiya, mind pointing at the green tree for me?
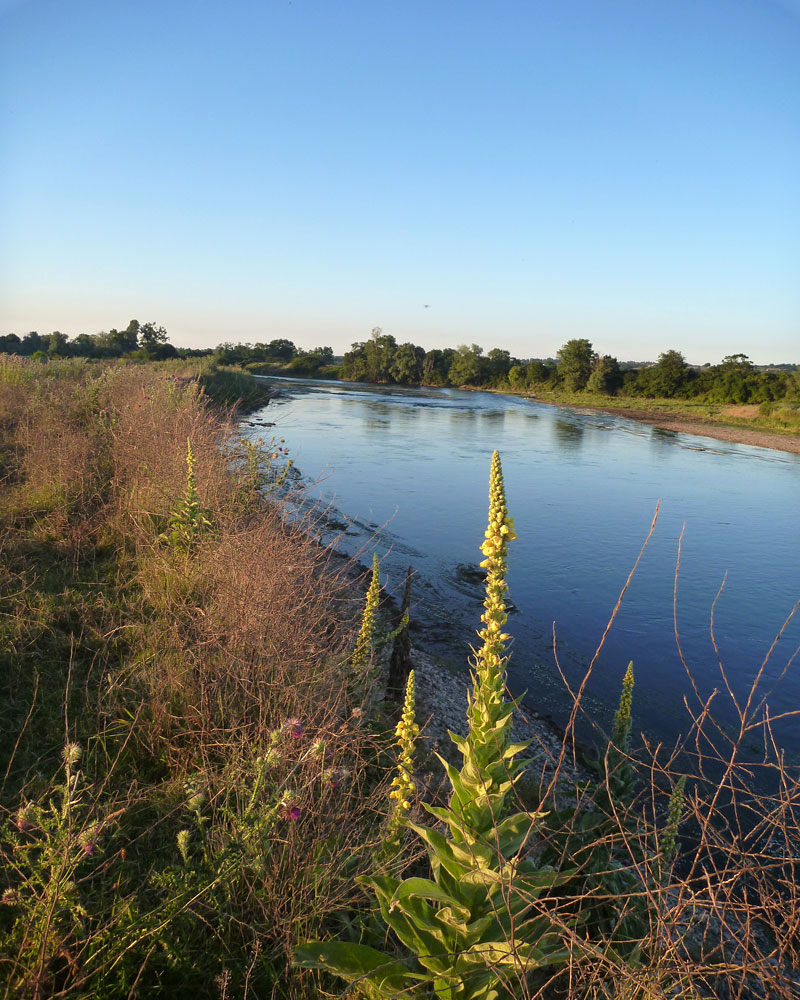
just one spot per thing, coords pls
(406, 366)
(435, 366)
(84, 345)
(151, 336)
(606, 378)
(465, 368)
(281, 349)
(575, 361)
(57, 343)
(537, 372)
(10, 344)
(669, 374)
(324, 354)
(354, 362)
(379, 354)
(517, 378)
(498, 362)
(33, 342)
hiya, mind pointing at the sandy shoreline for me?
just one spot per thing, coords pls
(688, 425)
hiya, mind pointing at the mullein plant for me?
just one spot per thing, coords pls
(479, 925)
(669, 839)
(403, 788)
(365, 642)
(190, 519)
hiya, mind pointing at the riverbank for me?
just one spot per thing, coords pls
(734, 423)
(735, 433)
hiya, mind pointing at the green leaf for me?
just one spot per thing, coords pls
(357, 961)
(426, 889)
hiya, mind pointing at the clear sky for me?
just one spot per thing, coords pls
(622, 170)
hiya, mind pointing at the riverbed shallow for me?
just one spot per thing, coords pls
(404, 472)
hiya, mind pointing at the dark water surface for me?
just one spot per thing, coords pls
(407, 471)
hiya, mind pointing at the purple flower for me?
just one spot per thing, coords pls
(292, 811)
(88, 848)
(293, 728)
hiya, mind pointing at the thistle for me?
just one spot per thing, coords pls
(366, 635)
(403, 782)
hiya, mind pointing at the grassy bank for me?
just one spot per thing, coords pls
(156, 791)
(201, 792)
(774, 417)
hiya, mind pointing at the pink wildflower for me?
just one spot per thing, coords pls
(293, 728)
(292, 811)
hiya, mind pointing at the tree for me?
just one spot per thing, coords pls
(57, 343)
(32, 342)
(406, 365)
(517, 378)
(9, 344)
(606, 378)
(575, 363)
(281, 349)
(435, 366)
(324, 354)
(737, 362)
(379, 355)
(151, 336)
(465, 368)
(498, 362)
(354, 362)
(84, 345)
(537, 372)
(669, 374)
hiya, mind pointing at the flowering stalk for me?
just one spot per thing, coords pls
(403, 782)
(488, 757)
(366, 635)
(621, 737)
(669, 840)
(189, 519)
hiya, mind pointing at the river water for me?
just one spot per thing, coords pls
(404, 472)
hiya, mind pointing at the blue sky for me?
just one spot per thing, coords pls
(622, 170)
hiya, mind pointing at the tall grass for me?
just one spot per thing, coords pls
(219, 751)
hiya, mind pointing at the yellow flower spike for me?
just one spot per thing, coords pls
(403, 782)
(366, 635)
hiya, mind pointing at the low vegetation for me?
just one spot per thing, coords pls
(203, 793)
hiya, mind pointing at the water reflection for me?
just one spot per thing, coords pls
(568, 434)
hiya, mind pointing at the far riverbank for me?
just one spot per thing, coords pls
(692, 425)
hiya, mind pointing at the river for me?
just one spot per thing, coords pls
(404, 472)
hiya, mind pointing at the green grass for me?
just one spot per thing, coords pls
(779, 418)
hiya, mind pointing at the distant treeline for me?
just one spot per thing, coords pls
(137, 340)
(149, 341)
(577, 367)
